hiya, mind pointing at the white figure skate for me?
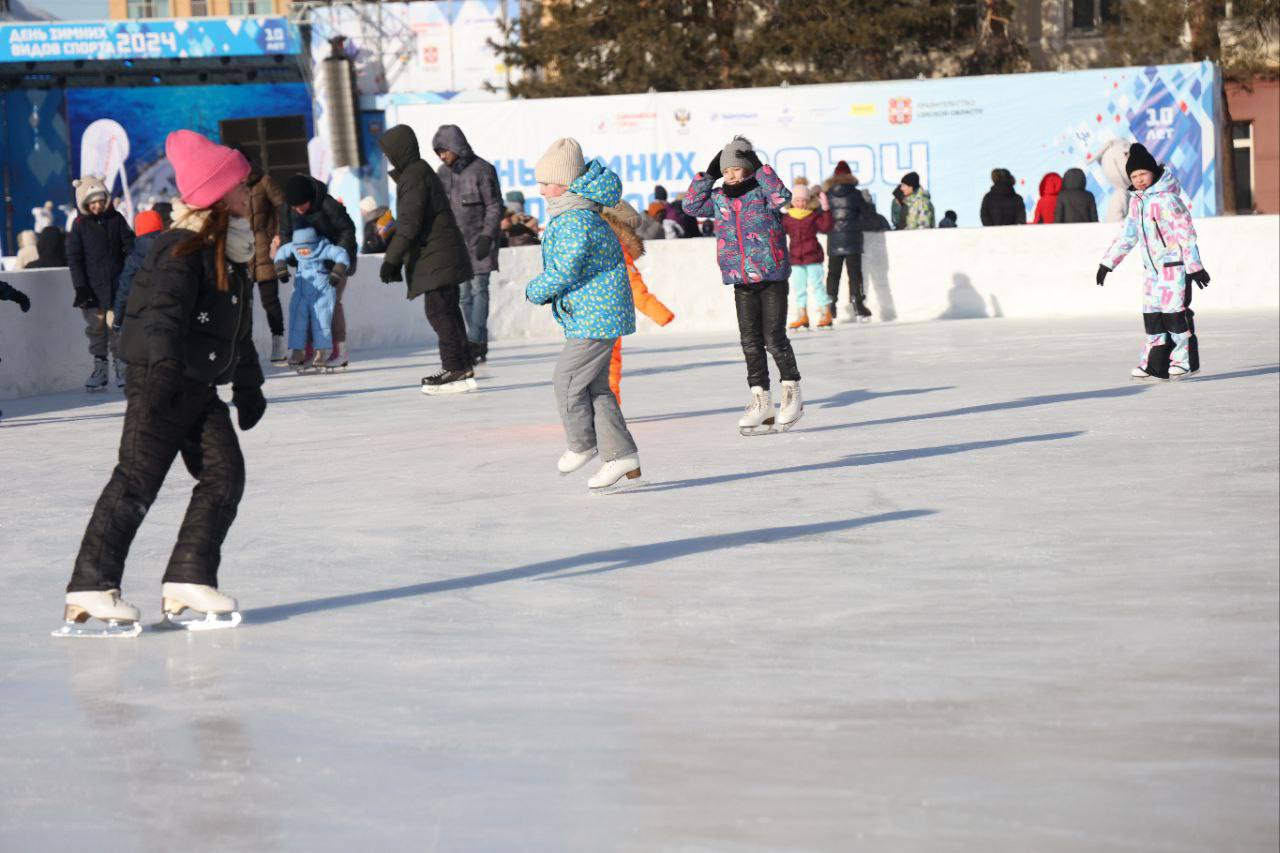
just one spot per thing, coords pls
(1178, 372)
(792, 407)
(279, 352)
(218, 610)
(119, 618)
(571, 460)
(611, 472)
(758, 419)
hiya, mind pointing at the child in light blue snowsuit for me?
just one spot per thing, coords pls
(322, 267)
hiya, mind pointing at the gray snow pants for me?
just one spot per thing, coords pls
(587, 407)
(101, 339)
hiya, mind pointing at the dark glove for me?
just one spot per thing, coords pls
(390, 272)
(250, 406)
(163, 386)
(750, 156)
(713, 171)
(1200, 277)
(85, 298)
(484, 245)
(282, 272)
(14, 295)
(291, 261)
(337, 275)
(1103, 269)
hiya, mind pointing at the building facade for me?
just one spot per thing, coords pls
(120, 9)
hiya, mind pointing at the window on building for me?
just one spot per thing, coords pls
(1242, 160)
(148, 8)
(251, 7)
(199, 8)
(1090, 15)
(278, 144)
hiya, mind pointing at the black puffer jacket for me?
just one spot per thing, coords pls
(329, 218)
(1075, 203)
(96, 249)
(848, 209)
(51, 246)
(427, 241)
(176, 311)
(472, 187)
(1001, 205)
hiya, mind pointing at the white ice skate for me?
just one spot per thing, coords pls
(279, 352)
(298, 361)
(338, 359)
(320, 362)
(571, 460)
(1140, 373)
(119, 618)
(1178, 372)
(791, 408)
(219, 611)
(758, 419)
(611, 472)
(98, 379)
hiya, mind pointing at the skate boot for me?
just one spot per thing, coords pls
(320, 362)
(279, 352)
(611, 472)
(119, 617)
(117, 367)
(1142, 373)
(572, 460)
(824, 318)
(1178, 372)
(449, 382)
(298, 361)
(219, 611)
(864, 314)
(758, 419)
(338, 360)
(792, 407)
(98, 379)
(844, 314)
(478, 352)
(800, 322)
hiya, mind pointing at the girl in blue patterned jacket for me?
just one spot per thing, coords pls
(751, 248)
(584, 280)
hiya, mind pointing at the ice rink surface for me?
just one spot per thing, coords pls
(989, 595)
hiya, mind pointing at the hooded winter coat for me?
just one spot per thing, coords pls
(803, 228)
(176, 312)
(471, 184)
(584, 276)
(1046, 207)
(919, 211)
(427, 242)
(51, 246)
(313, 299)
(1002, 205)
(329, 219)
(1160, 222)
(96, 250)
(268, 217)
(848, 210)
(751, 245)
(1075, 203)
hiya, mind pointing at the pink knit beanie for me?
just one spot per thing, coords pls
(206, 171)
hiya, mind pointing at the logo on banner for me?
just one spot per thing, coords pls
(899, 111)
(682, 117)
(430, 55)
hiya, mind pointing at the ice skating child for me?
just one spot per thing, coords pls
(314, 294)
(97, 245)
(803, 223)
(584, 280)
(9, 293)
(752, 255)
(1158, 219)
(624, 220)
(147, 226)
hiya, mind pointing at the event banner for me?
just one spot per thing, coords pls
(952, 131)
(194, 38)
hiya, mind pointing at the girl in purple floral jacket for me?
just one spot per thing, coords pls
(751, 248)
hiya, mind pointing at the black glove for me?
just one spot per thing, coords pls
(1200, 277)
(14, 295)
(282, 272)
(390, 272)
(163, 386)
(1103, 269)
(337, 275)
(85, 298)
(750, 156)
(250, 406)
(713, 171)
(484, 245)
(292, 261)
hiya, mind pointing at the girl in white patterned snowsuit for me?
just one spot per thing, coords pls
(322, 267)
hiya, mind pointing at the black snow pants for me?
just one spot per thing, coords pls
(762, 324)
(199, 428)
(857, 295)
(270, 291)
(444, 313)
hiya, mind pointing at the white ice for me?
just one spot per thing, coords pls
(989, 595)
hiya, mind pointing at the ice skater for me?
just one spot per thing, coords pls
(322, 269)
(808, 217)
(188, 331)
(584, 280)
(752, 254)
(1158, 219)
(9, 293)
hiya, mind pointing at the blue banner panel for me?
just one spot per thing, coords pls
(195, 38)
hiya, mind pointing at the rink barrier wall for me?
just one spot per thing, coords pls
(1017, 271)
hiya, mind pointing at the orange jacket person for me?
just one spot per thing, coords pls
(623, 219)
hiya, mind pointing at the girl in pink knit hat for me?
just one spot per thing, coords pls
(187, 331)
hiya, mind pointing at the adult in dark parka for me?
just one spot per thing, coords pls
(1002, 205)
(429, 246)
(313, 207)
(1075, 203)
(471, 184)
(99, 241)
(844, 243)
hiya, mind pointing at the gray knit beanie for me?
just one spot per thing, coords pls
(732, 155)
(561, 164)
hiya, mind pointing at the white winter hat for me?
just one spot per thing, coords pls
(87, 189)
(368, 205)
(562, 164)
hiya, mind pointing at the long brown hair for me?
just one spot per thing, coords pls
(212, 233)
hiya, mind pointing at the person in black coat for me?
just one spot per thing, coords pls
(844, 242)
(1002, 205)
(51, 247)
(311, 206)
(430, 248)
(189, 329)
(97, 246)
(1075, 202)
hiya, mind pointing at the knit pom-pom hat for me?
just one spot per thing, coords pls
(205, 170)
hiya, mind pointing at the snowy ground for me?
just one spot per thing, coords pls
(989, 596)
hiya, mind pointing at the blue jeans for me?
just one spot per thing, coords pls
(474, 300)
